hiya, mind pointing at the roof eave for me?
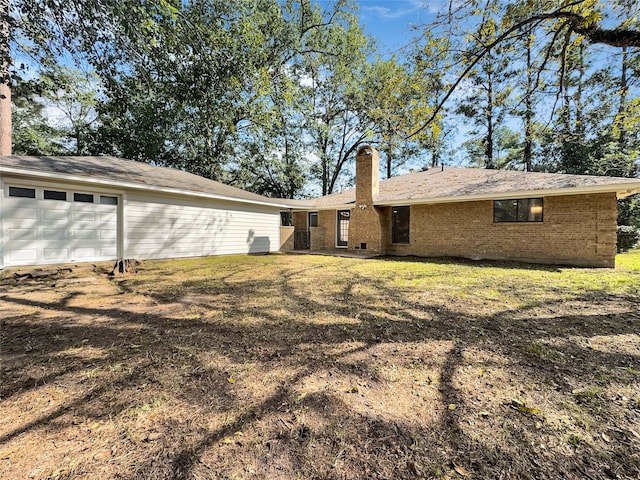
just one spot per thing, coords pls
(132, 186)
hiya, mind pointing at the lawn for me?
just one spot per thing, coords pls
(310, 367)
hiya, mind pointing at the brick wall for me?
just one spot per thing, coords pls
(577, 229)
(286, 239)
(299, 220)
(317, 238)
(327, 222)
(365, 230)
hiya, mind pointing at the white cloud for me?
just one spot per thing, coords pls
(403, 8)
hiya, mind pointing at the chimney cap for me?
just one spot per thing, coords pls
(365, 150)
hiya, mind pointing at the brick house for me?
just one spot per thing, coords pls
(465, 212)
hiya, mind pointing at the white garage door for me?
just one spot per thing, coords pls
(44, 225)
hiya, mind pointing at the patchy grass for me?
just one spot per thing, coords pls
(312, 367)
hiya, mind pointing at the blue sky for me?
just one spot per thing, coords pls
(391, 21)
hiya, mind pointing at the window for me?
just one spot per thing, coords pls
(400, 225)
(22, 192)
(83, 197)
(55, 195)
(518, 210)
(313, 219)
(285, 219)
(105, 200)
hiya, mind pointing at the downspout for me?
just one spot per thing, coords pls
(2, 235)
(122, 229)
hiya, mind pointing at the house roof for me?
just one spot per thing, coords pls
(431, 186)
(467, 184)
(112, 171)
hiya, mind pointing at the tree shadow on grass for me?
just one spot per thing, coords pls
(327, 433)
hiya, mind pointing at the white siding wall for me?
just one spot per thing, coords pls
(160, 226)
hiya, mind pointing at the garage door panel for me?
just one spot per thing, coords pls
(109, 252)
(55, 254)
(84, 216)
(54, 234)
(84, 253)
(53, 215)
(22, 213)
(22, 256)
(20, 234)
(84, 234)
(53, 224)
(107, 234)
(108, 217)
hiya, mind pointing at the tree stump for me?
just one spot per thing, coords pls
(127, 265)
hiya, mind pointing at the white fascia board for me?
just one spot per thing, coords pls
(316, 208)
(132, 186)
(301, 208)
(340, 206)
(622, 190)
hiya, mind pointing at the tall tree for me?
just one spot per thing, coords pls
(397, 98)
(557, 22)
(334, 63)
(271, 151)
(488, 101)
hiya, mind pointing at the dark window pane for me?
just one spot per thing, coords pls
(104, 200)
(400, 225)
(22, 192)
(523, 210)
(505, 210)
(54, 195)
(83, 197)
(285, 219)
(313, 219)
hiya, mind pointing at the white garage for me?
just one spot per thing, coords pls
(79, 209)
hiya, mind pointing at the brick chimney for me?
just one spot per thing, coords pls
(367, 175)
(366, 224)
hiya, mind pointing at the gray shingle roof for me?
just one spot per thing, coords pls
(451, 184)
(128, 173)
(462, 184)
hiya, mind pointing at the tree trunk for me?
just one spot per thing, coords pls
(528, 106)
(622, 107)
(580, 125)
(488, 148)
(5, 118)
(5, 80)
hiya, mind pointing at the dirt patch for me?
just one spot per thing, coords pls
(320, 368)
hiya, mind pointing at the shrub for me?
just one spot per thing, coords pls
(627, 237)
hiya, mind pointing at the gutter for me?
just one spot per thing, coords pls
(132, 186)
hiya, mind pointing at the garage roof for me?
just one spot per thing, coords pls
(453, 184)
(128, 174)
